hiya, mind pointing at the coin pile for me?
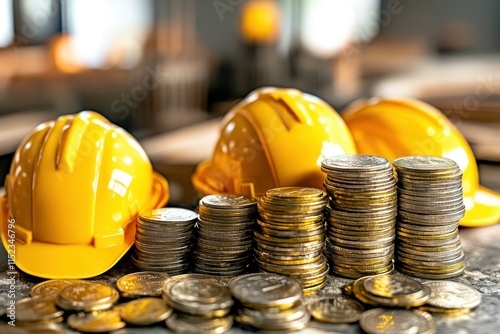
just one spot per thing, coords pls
(269, 302)
(430, 207)
(390, 290)
(164, 240)
(290, 234)
(224, 234)
(451, 298)
(386, 321)
(361, 214)
(198, 299)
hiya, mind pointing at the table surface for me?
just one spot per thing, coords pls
(481, 247)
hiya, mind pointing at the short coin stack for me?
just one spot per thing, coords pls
(202, 304)
(290, 235)
(224, 236)
(430, 207)
(269, 302)
(361, 215)
(164, 240)
(390, 290)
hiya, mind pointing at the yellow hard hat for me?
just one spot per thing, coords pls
(273, 138)
(75, 188)
(396, 127)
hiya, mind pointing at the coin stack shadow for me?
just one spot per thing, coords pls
(430, 207)
(224, 239)
(361, 215)
(290, 234)
(164, 240)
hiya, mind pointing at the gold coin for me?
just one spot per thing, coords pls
(51, 287)
(448, 295)
(145, 311)
(141, 284)
(385, 321)
(186, 324)
(337, 310)
(96, 322)
(87, 296)
(37, 309)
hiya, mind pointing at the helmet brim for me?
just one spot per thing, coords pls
(483, 208)
(49, 260)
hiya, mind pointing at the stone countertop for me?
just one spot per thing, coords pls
(481, 247)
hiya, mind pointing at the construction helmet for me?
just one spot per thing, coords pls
(396, 127)
(273, 138)
(75, 188)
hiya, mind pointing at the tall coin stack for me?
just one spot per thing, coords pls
(361, 215)
(430, 207)
(163, 240)
(290, 235)
(224, 238)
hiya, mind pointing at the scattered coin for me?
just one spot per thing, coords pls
(96, 322)
(37, 309)
(386, 321)
(263, 290)
(87, 296)
(51, 287)
(145, 311)
(361, 214)
(451, 297)
(337, 310)
(199, 295)
(390, 290)
(188, 324)
(142, 284)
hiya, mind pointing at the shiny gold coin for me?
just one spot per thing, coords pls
(145, 311)
(186, 324)
(96, 322)
(51, 287)
(141, 284)
(385, 321)
(87, 296)
(448, 295)
(37, 309)
(337, 310)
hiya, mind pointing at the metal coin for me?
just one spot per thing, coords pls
(186, 324)
(384, 321)
(337, 310)
(145, 311)
(96, 322)
(141, 284)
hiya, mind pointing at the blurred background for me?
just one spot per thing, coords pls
(156, 67)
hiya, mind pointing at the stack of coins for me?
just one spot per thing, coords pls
(200, 300)
(269, 302)
(336, 310)
(224, 234)
(164, 240)
(290, 234)
(430, 207)
(361, 215)
(390, 290)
